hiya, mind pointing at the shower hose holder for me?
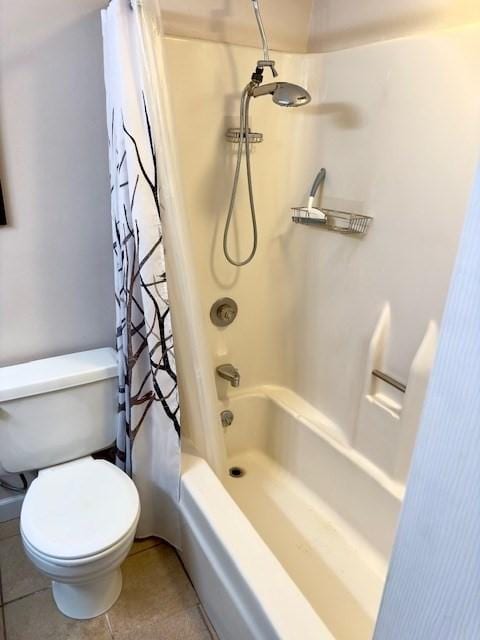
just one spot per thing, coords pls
(254, 137)
(233, 135)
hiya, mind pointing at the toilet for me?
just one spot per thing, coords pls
(79, 515)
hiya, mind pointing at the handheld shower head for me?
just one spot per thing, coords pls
(284, 94)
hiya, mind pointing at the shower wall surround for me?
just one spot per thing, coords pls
(311, 301)
(396, 125)
(388, 120)
(339, 24)
(288, 22)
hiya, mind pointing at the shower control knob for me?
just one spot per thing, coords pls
(227, 418)
(223, 312)
(226, 313)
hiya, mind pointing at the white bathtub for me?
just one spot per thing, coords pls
(297, 548)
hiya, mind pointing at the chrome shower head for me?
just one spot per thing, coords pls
(284, 94)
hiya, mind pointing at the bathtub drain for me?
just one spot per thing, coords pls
(236, 472)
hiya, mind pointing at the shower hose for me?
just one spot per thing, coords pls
(244, 139)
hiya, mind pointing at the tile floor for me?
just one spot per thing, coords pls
(157, 602)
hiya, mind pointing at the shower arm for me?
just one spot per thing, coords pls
(266, 62)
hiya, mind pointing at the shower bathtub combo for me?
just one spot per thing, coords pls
(293, 540)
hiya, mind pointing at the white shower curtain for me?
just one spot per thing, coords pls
(147, 213)
(148, 444)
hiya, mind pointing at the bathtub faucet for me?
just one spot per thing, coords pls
(228, 372)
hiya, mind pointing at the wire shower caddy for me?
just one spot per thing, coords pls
(340, 221)
(344, 222)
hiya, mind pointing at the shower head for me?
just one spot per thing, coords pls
(284, 94)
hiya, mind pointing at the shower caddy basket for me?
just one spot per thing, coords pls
(333, 220)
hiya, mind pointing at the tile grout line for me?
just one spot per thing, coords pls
(2, 608)
(187, 574)
(109, 629)
(3, 603)
(135, 553)
(10, 535)
(203, 613)
(26, 595)
(3, 621)
(1, 587)
(182, 610)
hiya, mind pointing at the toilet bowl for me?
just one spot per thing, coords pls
(77, 524)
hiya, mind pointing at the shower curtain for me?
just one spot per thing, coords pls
(150, 241)
(148, 446)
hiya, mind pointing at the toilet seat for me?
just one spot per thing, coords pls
(45, 559)
(79, 511)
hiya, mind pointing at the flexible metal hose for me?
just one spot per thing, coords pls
(244, 131)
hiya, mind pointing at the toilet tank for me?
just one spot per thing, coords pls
(57, 409)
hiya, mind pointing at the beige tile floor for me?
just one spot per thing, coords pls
(157, 602)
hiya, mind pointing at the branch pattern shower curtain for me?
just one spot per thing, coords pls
(148, 445)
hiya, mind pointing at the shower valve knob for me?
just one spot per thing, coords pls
(223, 312)
(226, 313)
(227, 418)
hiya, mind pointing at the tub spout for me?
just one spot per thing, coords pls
(229, 373)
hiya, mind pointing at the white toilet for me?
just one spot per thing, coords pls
(79, 515)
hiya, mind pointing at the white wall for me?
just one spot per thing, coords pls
(56, 278)
(286, 22)
(205, 80)
(338, 24)
(396, 124)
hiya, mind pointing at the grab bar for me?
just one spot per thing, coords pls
(389, 380)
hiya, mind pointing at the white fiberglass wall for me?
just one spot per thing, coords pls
(396, 124)
(206, 80)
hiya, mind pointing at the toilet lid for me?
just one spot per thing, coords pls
(79, 508)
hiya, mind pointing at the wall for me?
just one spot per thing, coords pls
(338, 24)
(396, 124)
(385, 123)
(233, 21)
(205, 80)
(56, 278)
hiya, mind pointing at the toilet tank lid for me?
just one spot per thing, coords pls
(61, 372)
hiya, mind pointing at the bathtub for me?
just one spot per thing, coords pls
(296, 545)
